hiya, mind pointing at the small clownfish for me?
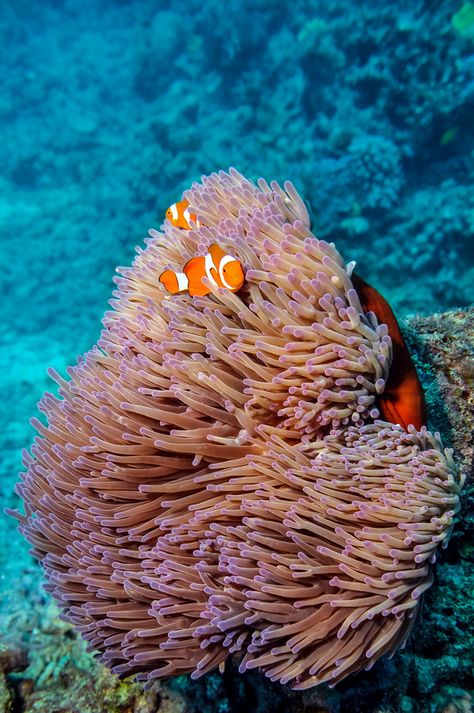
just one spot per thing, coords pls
(221, 270)
(180, 216)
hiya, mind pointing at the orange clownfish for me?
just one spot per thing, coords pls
(221, 269)
(402, 401)
(180, 216)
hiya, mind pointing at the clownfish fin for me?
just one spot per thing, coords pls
(197, 289)
(217, 253)
(195, 264)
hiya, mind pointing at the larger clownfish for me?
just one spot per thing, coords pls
(221, 269)
(402, 401)
(180, 216)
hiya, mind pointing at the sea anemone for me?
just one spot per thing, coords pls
(213, 478)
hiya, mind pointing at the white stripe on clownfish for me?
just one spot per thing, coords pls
(225, 261)
(174, 211)
(183, 281)
(190, 217)
(209, 265)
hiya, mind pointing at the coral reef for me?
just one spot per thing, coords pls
(449, 381)
(216, 459)
(109, 109)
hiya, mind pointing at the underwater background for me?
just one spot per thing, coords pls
(109, 110)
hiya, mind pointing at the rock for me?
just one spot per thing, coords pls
(444, 345)
(6, 699)
(13, 657)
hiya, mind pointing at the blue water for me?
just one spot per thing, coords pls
(109, 110)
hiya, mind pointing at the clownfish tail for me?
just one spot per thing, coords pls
(174, 282)
(169, 281)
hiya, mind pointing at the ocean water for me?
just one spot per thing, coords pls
(109, 110)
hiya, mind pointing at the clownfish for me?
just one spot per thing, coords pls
(402, 401)
(180, 216)
(221, 269)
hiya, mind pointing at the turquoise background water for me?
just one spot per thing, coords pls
(109, 110)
